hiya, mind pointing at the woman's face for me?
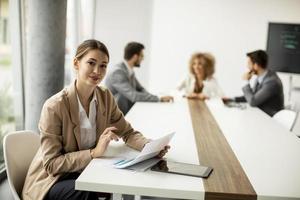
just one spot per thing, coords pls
(198, 67)
(91, 68)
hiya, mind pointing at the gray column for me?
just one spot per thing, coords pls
(46, 32)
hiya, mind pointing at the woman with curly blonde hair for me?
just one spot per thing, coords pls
(200, 83)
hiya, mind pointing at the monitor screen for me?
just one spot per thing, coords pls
(283, 47)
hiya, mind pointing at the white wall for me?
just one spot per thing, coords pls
(173, 30)
(228, 29)
(119, 22)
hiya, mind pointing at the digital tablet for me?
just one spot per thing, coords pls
(182, 169)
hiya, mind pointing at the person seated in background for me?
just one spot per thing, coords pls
(200, 83)
(267, 93)
(77, 125)
(123, 84)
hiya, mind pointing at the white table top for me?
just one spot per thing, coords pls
(268, 153)
(144, 117)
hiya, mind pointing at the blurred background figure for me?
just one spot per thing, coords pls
(200, 83)
(267, 93)
(123, 84)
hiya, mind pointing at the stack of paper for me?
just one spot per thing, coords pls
(150, 150)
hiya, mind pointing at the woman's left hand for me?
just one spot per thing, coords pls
(163, 152)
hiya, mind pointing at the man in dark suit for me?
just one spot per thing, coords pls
(267, 93)
(121, 80)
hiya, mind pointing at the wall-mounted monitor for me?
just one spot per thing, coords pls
(283, 47)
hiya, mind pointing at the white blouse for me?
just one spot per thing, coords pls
(88, 124)
(210, 86)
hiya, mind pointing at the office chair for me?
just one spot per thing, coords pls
(19, 148)
(286, 118)
(296, 126)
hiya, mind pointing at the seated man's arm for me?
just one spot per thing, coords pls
(139, 87)
(268, 90)
(122, 85)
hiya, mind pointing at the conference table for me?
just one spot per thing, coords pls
(252, 156)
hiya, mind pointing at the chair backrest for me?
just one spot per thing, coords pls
(296, 126)
(286, 118)
(19, 148)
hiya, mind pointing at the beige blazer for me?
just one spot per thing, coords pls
(60, 150)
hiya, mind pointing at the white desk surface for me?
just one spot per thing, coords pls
(153, 120)
(268, 153)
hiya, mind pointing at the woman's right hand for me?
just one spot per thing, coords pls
(200, 96)
(105, 138)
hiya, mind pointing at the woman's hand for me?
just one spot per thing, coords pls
(105, 138)
(200, 96)
(166, 99)
(163, 152)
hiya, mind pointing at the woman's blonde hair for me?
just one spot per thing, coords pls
(208, 63)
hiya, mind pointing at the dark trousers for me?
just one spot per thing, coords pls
(64, 189)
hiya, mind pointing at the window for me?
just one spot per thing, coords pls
(80, 26)
(11, 103)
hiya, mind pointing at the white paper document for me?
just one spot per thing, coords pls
(150, 150)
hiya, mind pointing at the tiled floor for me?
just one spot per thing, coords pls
(5, 193)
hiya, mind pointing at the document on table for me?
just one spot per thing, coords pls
(150, 150)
